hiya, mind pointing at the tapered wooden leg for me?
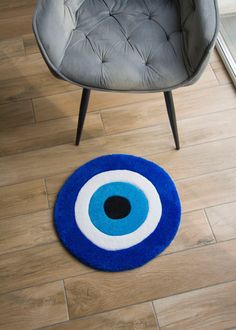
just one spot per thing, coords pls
(82, 113)
(172, 118)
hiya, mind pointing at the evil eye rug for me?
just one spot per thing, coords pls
(117, 212)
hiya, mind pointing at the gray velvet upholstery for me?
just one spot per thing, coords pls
(126, 45)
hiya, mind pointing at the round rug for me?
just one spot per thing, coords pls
(117, 212)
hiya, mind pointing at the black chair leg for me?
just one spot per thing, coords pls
(172, 118)
(82, 113)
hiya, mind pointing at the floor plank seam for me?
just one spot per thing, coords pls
(156, 316)
(46, 192)
(103, 124)
(22, 40)
(217, 78)
(33, 112)
(66, 300)
(209, 224)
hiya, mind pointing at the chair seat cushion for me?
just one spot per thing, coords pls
(132, 45)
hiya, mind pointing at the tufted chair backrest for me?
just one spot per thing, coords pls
(185, 28)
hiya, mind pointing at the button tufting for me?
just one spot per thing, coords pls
(136, 40)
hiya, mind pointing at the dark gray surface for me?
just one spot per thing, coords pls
(127, 45)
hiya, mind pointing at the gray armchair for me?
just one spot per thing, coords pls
(127, 45)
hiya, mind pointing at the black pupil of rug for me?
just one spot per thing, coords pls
(117, 207)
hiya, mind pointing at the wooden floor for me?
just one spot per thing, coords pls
(192, 285)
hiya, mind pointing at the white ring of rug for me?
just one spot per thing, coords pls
(113, 243)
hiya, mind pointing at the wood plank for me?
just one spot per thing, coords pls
(223, 221)
(197, 160)
(53, 183)
(22, 67)
(11, 48)
(67, 104)
(207, 190)
(33, 307)
(151, 113)
(134, 116)
(16, 8)
(40, 163)
(52, 199)
(162, 277)
(129, 318)
(16, 26)
(194, 231)
(64, 158)
(197, 130)
(27, 231)
(48, 134)
(211, 127)
(38, 265)
(185, 163)
(55, 132)
(32, 86)
(220, 72)
(16, 114)
(215, 57)
(30, 44)
(55, 160)
(207, 79)
(22, 198)
(209, 308)
(198, 192)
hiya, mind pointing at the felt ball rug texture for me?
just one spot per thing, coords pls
(117, 212)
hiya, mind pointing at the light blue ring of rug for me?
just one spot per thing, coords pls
(126, 225)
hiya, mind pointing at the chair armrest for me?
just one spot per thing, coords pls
(199, 21)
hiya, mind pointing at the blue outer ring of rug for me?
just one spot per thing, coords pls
(125, 259)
